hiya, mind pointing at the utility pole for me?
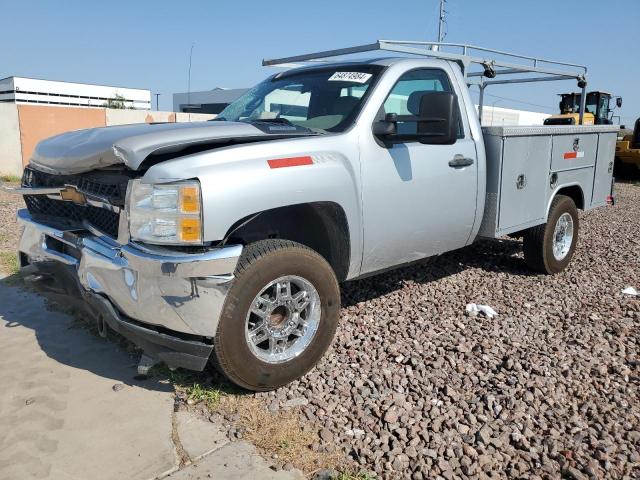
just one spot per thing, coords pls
(441, 22)
(157, 105)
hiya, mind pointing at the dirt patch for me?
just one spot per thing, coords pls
(283, 435)
(9, 230)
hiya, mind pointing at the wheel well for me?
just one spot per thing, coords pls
(575, 193)
(321, 226)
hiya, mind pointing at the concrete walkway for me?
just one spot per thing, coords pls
(70, 408)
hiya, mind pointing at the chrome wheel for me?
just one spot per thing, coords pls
(283, 319)
(562, 236)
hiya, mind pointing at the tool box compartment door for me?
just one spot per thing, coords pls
(573, 151)
(525, 170)
(604, 169)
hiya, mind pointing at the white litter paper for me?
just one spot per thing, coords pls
(630, 291)
(486, 309)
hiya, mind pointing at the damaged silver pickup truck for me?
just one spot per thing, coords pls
(227, 240)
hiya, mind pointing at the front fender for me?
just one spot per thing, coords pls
(241, 180)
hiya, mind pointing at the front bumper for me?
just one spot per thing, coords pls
(168, 303)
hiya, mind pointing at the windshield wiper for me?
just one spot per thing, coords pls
(272, 120)
(284, 121)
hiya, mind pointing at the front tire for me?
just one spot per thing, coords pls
(548, 248)
(279, 317)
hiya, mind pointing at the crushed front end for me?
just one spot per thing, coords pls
(166, 299)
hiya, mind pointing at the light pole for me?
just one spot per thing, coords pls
(189, 89)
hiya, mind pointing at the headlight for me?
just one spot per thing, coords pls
(166, 213)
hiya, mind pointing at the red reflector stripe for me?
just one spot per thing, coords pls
(570, 155)
(290, 162)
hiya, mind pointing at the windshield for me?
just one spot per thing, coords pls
(324, 99)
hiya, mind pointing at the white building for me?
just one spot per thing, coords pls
(23, 90)
(208, 101)
(497, 116)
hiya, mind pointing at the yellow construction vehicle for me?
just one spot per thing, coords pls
(628, 152)
(597, 110)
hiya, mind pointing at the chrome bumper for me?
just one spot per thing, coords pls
(156, 286)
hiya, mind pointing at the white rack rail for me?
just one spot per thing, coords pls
(493, 62)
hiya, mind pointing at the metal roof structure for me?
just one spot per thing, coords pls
(480, 65)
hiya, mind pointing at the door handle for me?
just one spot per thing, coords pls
(460, 161)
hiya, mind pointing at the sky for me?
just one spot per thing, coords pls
(146, 44)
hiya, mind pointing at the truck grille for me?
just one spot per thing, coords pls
(109, 186)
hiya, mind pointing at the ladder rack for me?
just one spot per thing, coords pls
(493, 63)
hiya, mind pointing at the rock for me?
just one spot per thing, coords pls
(326, 474)
(484, 434)
(296, 402)
(326, 435)
(574, 474)
(391, 416)
(429, 452)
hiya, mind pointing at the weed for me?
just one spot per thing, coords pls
(354, 476)
(9, 262)
(199, 393)
(10, 178)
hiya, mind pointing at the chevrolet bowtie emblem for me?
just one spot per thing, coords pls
(71, 194)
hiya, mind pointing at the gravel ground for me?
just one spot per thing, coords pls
(414, 388)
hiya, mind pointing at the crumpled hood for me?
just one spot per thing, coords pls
(84, 150)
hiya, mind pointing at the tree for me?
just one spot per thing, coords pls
(117, 102)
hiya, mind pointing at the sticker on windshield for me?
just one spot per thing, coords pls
(356, 77)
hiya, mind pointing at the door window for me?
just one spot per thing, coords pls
(405, 96)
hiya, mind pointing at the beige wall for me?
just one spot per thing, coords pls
(10, 147)
(23, 126)
(123, 117)
(193, 117)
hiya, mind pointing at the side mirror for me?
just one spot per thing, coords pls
(619, 102)
(386, 127)
(439, 118)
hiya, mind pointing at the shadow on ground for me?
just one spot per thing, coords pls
(69, 339)
(488, 255)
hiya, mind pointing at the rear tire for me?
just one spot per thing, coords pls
(260, 305)
(539, 241)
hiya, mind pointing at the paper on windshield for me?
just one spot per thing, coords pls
(356, 77)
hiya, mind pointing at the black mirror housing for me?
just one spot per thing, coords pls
(386, 127)
(439, 118)
(619, 102)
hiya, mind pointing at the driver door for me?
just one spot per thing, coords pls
(417, 200)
